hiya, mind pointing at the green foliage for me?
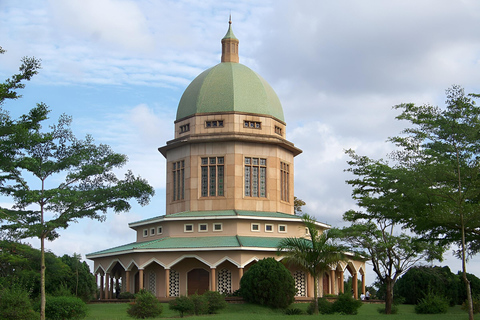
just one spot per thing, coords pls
(432, 304)
(215, 301)
(200, 304)
(15, 304)
(417, 282)
(474, 285)
(126, 295)
(293, 312)
(19, 263)
(62, 308)
(145, 306)
(268, 282)
(315, 255)
(324, 306)
(476, 304)
(182, 304)
(346, 304)
(394, 309)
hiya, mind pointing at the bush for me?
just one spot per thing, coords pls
(60, 308)
(393, 311)
(200, 305)
(16, 305)
(293, 312)
(215, 301)
(476, 304)
(432, 304)
(346, 304)
(183, 305)
(324, 306)
(126, 295)
(269, 283)
(145, 305)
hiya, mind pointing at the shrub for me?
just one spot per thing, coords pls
(476, 304)
(293, 312)
(393, 311)
(432, 304)
(324, 306)
(215, 301)
(16, 305)
(182, 304)
(126, 295)
(269, 283)
(60, 308)
(145, 305)
(200, 305)
(346, 304)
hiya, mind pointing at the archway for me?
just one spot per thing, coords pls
(326, 284)
(197, 281)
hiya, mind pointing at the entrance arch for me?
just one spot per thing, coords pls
(197, 281)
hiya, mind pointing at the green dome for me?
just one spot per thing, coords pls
(228, 87)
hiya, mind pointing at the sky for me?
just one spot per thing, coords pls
(119, 68)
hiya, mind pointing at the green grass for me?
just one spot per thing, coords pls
(114, 311)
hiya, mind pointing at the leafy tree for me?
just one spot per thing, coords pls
(314, 255)
(373, 232)
(441, 154)
(88, 186)
(268, 282)
(81, 281)
(297, 205)
(418, 281)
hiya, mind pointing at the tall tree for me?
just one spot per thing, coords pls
(297, 205)
(74, 179)
(315, 254)
(442, 150)
(373, 232)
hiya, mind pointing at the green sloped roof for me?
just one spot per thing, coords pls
(179, 243)
(221, 213)
(229, 87)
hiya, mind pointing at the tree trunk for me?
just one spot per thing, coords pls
(315, 293)
(42, 278)
(464, 274)
(388, 296)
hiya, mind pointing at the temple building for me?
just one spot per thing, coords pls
(229, 198)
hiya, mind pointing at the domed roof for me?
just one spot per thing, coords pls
(227, 87)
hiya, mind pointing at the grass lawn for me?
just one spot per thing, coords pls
(113, 311)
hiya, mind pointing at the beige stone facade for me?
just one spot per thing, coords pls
(229, 197)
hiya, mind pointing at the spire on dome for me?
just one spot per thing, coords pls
(230, 45)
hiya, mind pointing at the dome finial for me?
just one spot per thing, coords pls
(230, 45)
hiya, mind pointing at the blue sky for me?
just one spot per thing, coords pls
(119, 67)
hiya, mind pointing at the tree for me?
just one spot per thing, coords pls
(268, 282)
(297, 205)
(315, 255)
(442, 152)
(88, 187)
(373, 232)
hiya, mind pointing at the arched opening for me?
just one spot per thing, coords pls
(326, 284)
(197, 281)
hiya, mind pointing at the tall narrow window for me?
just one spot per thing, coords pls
(284, 181)
(255, 177)
(179, 180)
(212, 176)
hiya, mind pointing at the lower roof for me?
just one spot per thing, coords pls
(193, 243)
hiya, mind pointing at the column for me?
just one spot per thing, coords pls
(127, 281)
(140, 279)
(332, 281)
(355, 285)
(102, 292)
(310, 285)
(107, 288)
(342, 289)
(167, 282)
(363, 283)
(240, 275)
(213, 280)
